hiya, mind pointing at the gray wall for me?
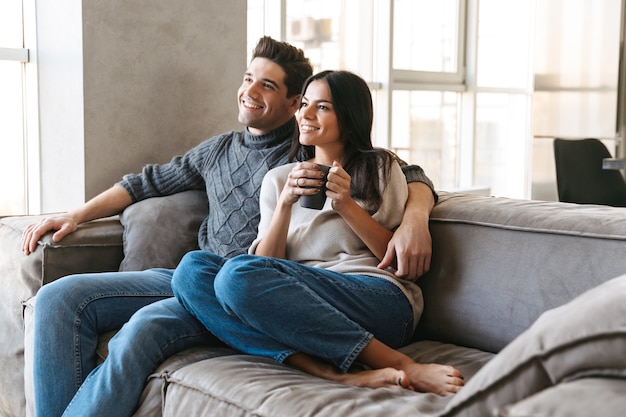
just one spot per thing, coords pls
(124, 83)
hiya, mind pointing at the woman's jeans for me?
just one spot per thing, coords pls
(274, 308)
(71, 312)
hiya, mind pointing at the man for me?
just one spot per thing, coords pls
(153, 325)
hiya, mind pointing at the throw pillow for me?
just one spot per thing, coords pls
(160, 230)
(604, 397)
(583, 338)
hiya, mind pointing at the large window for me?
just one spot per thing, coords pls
(12, 58)
(502, 136)
(474, 91)
(576, 75)
(465, 87)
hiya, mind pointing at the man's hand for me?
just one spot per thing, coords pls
(410, 248)
(63, 225)
(112, 201)
(409, 251)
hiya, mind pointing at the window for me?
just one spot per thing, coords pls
(576, 72)
(426, 38)
(474, 91)
(414, 115)
(12, 145)
(427, 76)
(469, 89)
(502, 136)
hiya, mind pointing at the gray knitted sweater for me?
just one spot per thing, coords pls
(230, 167)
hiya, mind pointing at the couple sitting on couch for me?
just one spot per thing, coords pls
(367, 196)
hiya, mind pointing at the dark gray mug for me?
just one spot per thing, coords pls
(316, 201)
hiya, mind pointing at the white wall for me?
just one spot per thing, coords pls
(122, 84)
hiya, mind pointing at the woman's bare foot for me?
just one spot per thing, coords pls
(433, 378)
(377, 378)
(437, 379)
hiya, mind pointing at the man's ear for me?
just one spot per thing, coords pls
(295, 102)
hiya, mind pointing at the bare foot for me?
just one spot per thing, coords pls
(377, 378)
(437, 379)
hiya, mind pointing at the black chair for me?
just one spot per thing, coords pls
(580, 177)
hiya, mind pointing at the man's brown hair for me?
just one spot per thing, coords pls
(297, 67)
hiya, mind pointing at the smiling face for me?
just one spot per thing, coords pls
(318, 123)
(262, 97)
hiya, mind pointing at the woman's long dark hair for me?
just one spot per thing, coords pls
(352, 101)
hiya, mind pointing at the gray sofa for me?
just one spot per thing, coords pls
(527, 298)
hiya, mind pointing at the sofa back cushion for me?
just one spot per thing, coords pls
(160, 230)
(499, 263)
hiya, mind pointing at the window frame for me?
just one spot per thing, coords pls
(30, 108)
(430, 80)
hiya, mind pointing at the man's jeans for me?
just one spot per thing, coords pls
(274, 308)
(71, 312)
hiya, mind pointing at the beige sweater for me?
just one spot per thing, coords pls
(321, 238)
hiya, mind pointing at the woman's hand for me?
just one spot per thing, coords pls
(304, 179)
(338, 186)
(373, 234)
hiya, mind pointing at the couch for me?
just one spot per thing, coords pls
(526, 298)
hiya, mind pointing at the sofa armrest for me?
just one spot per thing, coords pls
(94, 247)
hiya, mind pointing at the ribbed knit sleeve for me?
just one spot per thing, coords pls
(415, 173)
(182, 173)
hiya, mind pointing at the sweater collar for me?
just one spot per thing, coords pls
(272, 138)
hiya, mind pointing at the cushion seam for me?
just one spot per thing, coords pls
(170, 379)
(528, 229)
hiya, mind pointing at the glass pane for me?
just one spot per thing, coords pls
(11, 24)
(575, 114)
(12, 198)
(12, 169)
(256, 24)
(577, 43)
(502, 143)
(425, 35)
(331, 33)
(424, 125)
(576, 67)
(504, 42)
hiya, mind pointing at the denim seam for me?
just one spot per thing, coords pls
(284, 355)
(355, 352)
(78, 313)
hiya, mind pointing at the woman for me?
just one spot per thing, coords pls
(312, 296)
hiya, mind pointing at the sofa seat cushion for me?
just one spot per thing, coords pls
(243, 385)
(151, 402)
(605, 397)
(583, 338)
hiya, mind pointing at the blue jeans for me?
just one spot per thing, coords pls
(71, 312)
(274, 308)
